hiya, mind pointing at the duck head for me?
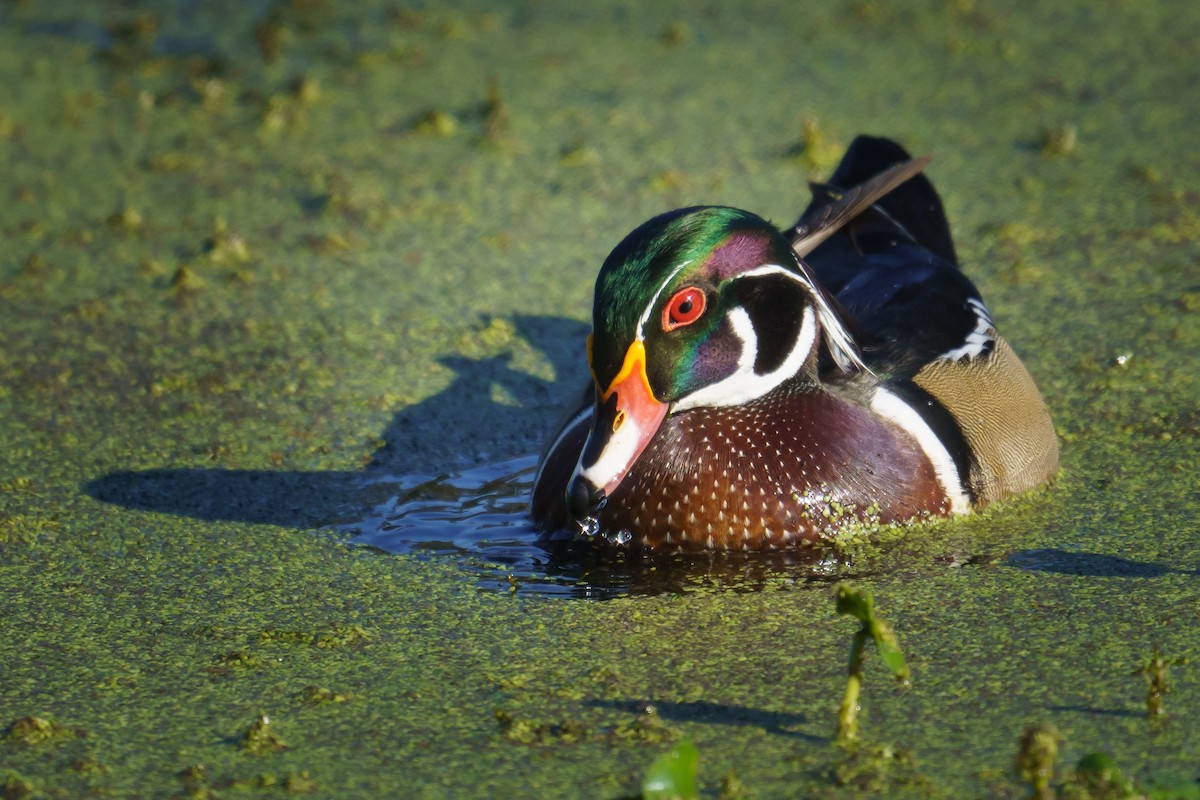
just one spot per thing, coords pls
(699, 307)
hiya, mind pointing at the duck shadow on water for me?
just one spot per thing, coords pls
(464, 418)
(456, 420)
(775, 722)
(1089, 565)
(476, 514)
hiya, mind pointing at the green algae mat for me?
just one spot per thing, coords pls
(263, 262)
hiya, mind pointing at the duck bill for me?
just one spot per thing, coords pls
(626, 418)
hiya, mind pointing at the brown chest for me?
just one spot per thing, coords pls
(771, 474)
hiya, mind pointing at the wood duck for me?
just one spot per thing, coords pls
(754, 389)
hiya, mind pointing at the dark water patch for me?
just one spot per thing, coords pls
(479, 517)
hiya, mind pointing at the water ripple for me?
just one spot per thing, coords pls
(478, 517)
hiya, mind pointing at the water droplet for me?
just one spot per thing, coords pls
(589, 526)
(621, 537)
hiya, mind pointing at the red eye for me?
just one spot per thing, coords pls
(684, 308)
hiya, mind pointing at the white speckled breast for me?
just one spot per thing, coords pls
(795, 465)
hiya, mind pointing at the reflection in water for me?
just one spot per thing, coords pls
(479, 518)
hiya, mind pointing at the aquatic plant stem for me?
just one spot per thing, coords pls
(859, 604)
(848, 714)
(1037, 752)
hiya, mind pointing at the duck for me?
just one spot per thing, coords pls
(756, 388)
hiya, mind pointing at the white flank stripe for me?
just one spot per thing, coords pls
(891, 407)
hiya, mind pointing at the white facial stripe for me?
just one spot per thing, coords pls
(616, 457)
(841, 343)
(745, 384)
(891, 407)
(621, 448)
(584, 417)
(641, 328)
(979, 339)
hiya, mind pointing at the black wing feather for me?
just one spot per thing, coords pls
(894, 268)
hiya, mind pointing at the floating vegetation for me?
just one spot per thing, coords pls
(235, 661)
(315, 695)
(646, 727)
(90, 765)
(1097, 776)
(200, 786)
(299, 782)
(185, 280)
(260, 738)
(35, 730)
(732, 787)
(342, 636)
(213, 92)
(306, 90)
(172, 161)
(1059, 141)
(269, 35)
(496, 116)
(126, 218)
(23, 528)
(876, 769)
(34, 265)
(15, 787)
(815, 151)
(131, 41)
(523, 731)
(676, 34)
(226, 432)
(195, 780)
(226, 246)
(578, 153)
(435, 122)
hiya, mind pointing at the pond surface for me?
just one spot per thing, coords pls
(290, 291)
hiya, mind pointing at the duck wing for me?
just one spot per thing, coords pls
(892, 267)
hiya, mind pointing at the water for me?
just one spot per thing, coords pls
(478, 518)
